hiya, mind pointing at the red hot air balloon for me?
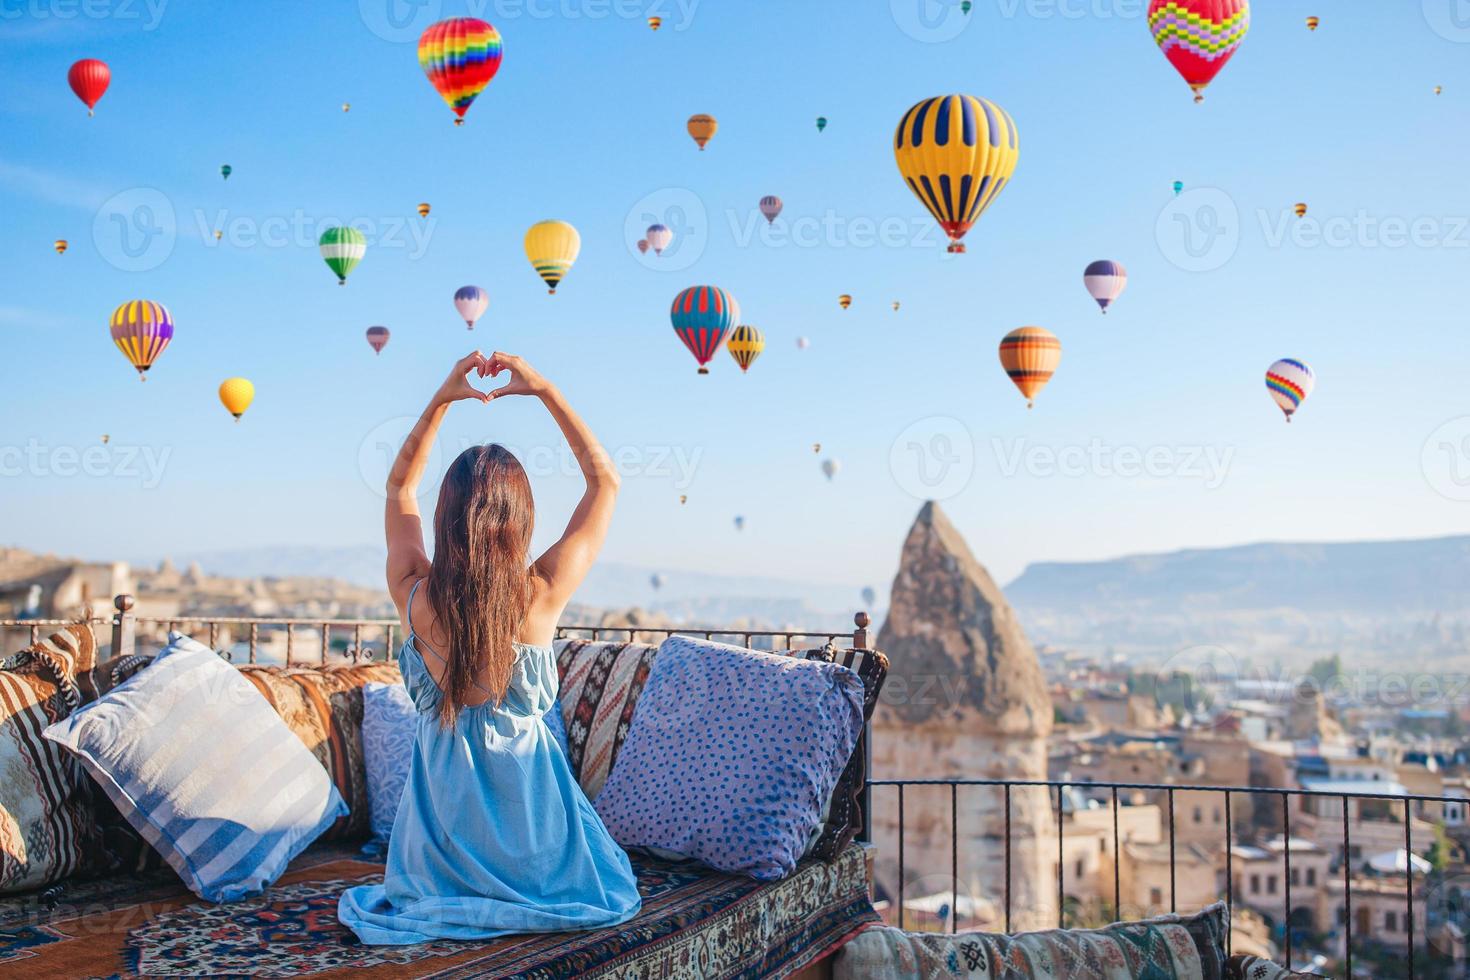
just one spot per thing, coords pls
(702, 316)
(89, 79)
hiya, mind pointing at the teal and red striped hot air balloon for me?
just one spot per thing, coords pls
(702, 316)
(460, 55)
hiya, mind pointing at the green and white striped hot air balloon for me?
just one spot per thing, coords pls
(342, 248)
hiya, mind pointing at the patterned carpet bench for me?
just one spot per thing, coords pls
(694, 923)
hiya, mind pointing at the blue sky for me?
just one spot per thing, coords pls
(585, 122)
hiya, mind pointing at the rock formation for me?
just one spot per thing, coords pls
(965, 697)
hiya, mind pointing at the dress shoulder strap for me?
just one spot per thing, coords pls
(413, 633)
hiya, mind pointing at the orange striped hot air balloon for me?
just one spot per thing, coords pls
(1313, 22)
(654, 23)
(424, 210)
(60, 246)
(844, 301)
(1030, 356)
(1301, 210)
(702, 127)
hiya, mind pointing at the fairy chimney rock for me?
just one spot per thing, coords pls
(959, 656)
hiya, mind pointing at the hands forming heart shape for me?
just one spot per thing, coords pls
(524, 379)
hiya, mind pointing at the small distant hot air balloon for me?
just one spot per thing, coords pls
(460, 56)
(1030, 356)
(1301, 210)
(141, 329)
(702, 316)
(745, 345)
(424, 209)
(739, 523)
(89, 79)
(226, 170)
(844, 301)
(218, 235)
(654, 23)
(816, 447)
(1312, 23)
(1290, 382)
(60, 246)
(656, 580)
(895, 306)
(105, 437)
(342, 248)
(869, 596)
(377, 338)
(347, 107)
(552, 247)
(702, 126)
(821, 123)
(1199, 37)
(658, 238)
(956, 153)
(965, 6)
(236, 394)
(471, 302)
(1178, 187)
(642, 246)
(830, 468)
(802, 343)
(683, 498)
(1438, 89)
(770, 207)
(1105, 281)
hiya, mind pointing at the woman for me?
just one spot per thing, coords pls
(493, 835)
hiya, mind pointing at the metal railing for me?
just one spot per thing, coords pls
(1056, 789)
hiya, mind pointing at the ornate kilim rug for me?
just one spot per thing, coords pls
(694, 923)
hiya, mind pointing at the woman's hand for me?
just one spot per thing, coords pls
(457, 386)
(524, 379)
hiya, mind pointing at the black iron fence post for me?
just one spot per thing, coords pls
(124, 627)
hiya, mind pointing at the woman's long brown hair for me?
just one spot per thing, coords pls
(479, 580)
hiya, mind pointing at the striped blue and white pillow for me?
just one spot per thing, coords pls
(205, 770)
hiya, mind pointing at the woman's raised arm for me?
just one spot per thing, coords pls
(403, 526)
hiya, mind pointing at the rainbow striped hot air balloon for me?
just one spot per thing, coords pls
(745, 345)
(1290, 382)
(771, 207)
(1199, 36)
(956, 153)
(658, 238)
(471, 302)
(1105, 281)
(141, 329)
(552, 247)
(460, 55)
(702, 315)
(342, 249)
(1030, 356)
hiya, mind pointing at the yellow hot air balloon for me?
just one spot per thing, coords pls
(424, 210)
(552, 247)
(1312, 23)
(702, 127)
(655, 23)
(1030, 356)
(236, 394)
(844, 301)
(60, 246)
(1301, 210)
(956, 153)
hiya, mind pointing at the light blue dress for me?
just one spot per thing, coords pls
(493, 835)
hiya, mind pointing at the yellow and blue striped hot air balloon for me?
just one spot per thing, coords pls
(552, 247)
(957, 153)
(745, 345)
(141, 329)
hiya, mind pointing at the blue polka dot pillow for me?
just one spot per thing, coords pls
(732, 755)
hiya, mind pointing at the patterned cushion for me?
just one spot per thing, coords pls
(1245, 967)
(1169, 947)
(389, 722)
(731, 756)
(46, 826)
(600, 684)
(323, 706)
(202, 767)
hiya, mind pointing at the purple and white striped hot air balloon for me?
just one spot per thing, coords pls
(1105, 281)
(658, 238)
(377, 338)
(471, 302)
(770, 207)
